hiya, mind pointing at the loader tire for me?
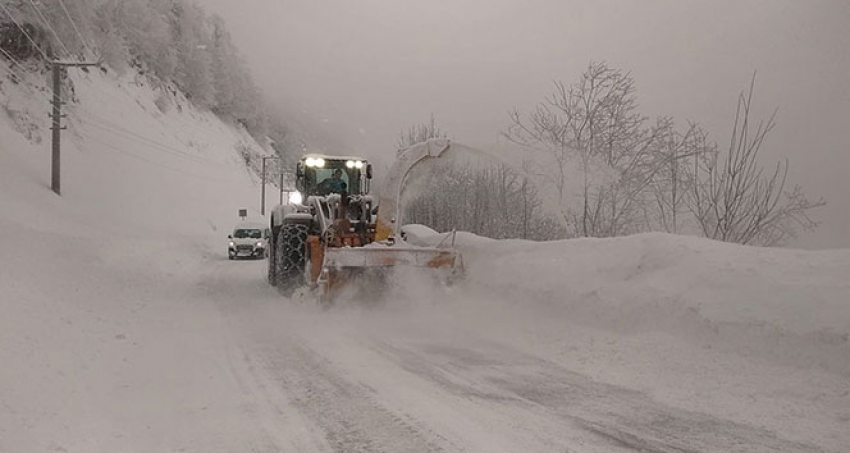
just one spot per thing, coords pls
(271, 274)
(290, 251)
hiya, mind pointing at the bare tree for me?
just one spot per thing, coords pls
(671, 180)
(593, 127)
(735, 199)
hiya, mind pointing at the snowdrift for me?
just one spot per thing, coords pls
(789, 305)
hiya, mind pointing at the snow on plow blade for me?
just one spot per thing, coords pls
(381, 255)
(365, 267)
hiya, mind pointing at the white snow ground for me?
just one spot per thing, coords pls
(124, 327)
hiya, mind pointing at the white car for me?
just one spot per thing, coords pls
(248, 240)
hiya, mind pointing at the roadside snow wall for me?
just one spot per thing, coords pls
(791, 306)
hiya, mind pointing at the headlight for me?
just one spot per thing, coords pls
(349, 164)
(232, 244)
(259, 244)
(295, 198)
(358, 164)
(314, 162)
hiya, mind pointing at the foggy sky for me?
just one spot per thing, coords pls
(361, 71)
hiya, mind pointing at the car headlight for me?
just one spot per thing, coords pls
(259, 244)
(232, 244)
(295, 198)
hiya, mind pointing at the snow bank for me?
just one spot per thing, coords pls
(789, 305)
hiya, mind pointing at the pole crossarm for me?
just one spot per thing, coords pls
(78, 64)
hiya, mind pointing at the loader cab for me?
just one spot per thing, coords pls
(315, 174)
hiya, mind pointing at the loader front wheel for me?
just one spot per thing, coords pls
(271, 262)
(290, 251)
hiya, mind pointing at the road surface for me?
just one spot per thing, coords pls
(425, 375)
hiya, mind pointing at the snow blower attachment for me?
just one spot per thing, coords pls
(329, 237)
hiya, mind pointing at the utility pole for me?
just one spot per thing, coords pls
(263, 185)
(280, 185)
(55, 179)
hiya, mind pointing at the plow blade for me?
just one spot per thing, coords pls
(367, 267)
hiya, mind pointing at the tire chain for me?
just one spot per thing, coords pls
(290, 255)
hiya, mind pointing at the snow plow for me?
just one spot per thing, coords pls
(334, 235)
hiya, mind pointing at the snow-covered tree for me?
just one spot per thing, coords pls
(192, 41)
(173, 42)
(493, 201)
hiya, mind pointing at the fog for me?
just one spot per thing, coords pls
(355, 74)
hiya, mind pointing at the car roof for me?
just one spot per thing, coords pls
(250, 226)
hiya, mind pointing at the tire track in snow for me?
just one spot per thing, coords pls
(622, 419)
(274, 424)
(352, 420)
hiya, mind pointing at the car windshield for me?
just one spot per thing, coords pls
(244, 234)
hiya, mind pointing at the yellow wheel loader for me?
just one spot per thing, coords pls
(334, 235)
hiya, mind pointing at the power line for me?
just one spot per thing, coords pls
(109, 146)
(73, 24)
(47, 24)
(35, 89)
(135, 134)
(108, 126)
(164, 148)
(152, 162)
(97, 120)
(24, 31)
(31, 88)
(119, 98)
(16, 63)
(149, 143)
(122, 129)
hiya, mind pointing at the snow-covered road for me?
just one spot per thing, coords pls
(405, 378)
